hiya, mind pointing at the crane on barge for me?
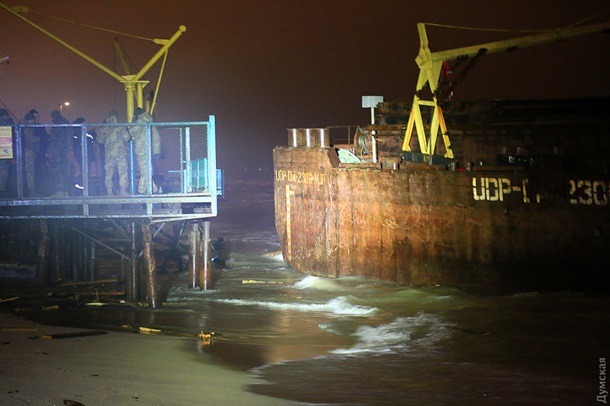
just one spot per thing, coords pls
(434, 65)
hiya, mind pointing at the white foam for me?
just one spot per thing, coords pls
(403, 333)
(338, 306)
(275, 255)
(315, 282)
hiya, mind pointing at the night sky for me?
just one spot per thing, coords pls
(262, 66)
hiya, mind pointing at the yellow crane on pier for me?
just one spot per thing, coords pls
(133, 83)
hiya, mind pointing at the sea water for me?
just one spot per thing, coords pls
(351, 341)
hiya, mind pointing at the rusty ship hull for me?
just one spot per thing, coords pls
(526, 207)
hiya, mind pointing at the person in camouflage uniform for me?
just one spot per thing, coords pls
(138, 134)
(113, 138)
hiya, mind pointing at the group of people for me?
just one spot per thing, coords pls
(52, 161)
(32, 140)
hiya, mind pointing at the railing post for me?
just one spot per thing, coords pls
(132, 167)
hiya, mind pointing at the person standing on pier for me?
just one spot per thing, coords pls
(43, 177)
(138, 133)
(30, 153)
(61, 144)
(113, 138)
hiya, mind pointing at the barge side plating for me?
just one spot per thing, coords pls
(515, 196)
(541, 222)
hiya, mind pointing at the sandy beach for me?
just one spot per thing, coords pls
(112, 369)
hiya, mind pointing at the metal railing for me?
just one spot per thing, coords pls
(183, 182)
(343, 134)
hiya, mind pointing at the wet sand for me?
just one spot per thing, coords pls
(112, 369)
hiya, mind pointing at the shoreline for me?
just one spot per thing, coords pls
(112, 368)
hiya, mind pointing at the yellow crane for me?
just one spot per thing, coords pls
(133, 83)
(431, 67)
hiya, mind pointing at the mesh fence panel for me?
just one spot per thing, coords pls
(184, 164)
(185, 159)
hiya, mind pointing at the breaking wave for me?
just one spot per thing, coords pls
(401, 334)
(315, 282)
(338, 306)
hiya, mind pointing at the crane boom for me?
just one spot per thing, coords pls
(132, 83)
(431, 63)
(425, 56)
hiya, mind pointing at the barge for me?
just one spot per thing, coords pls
(516, 197)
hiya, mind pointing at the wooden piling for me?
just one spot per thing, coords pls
(132, 291)
(91, 263)
(78, 252)
(64, 253)
(205, 274)
(149, 260)
(42, 262)
(22, 242)
(55, 235)
(123, 272)
(66, 260)
(193, 254)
